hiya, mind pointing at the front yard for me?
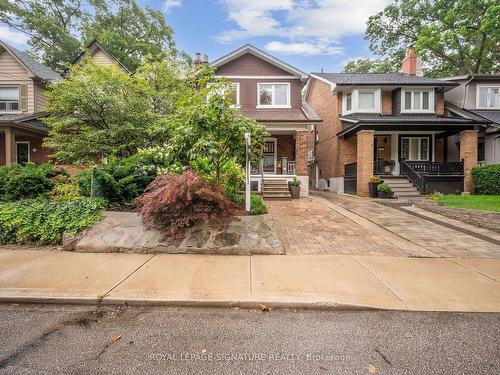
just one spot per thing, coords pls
(471, 202)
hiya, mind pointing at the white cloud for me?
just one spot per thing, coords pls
(168, 5)
(13, 37)
(304, 48)
(304, 25)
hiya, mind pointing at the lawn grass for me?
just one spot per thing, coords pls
(473, 202)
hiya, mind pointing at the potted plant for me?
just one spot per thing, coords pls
(295, 187)
(384, 191)
(389, 166)
(373, 182)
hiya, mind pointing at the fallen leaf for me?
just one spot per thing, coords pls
(203, 350)
(116, 338)
(322, 368)
(264, 308)
(372, 369)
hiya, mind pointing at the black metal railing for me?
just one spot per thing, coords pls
(378, 167)
(437, 167)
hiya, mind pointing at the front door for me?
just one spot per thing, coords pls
(22, 152)
(415, 148)
(269, 165)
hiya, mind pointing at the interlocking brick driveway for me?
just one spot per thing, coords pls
(336, 224)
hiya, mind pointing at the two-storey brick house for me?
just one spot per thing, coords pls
(270, 91)
(478, 97)
(371, 121)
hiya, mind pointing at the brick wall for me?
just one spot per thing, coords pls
(468, 152)
(440, 103)
(285, 147)
(387, 102)
(365, 140)
(301, 147)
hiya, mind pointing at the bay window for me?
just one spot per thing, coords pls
(273, 95)
(417, 101)
(9, 98)
(488, 97)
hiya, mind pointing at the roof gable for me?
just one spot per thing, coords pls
(249, 51)
(95, 48)
(36, 69)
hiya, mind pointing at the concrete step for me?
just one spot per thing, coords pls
(407, 194)
(396, 181)
(409, 188)
(400, 185)
(277, 189)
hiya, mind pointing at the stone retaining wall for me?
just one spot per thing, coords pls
(484, 219)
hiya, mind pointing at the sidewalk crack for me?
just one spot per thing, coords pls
(376, 278)
(130, 274)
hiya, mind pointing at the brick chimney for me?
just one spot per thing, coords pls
(197, 59)
(412, 63)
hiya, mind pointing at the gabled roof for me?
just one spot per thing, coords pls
(379, 79)
(95, 45)
(493, 77)
(248, 48)
(485, 116)
(39, 70)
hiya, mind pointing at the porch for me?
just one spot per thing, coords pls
(284, 157)
(21, 144)
(433, 161)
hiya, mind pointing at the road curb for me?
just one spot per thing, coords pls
(326, 306)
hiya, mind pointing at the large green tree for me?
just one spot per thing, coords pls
(59, 29)
(207, 126)
(369, 66)
(452, 36)
(100, 110)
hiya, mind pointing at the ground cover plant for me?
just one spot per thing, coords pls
(472, 202)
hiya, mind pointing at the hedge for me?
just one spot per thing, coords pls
(486, 179)
(42, 221)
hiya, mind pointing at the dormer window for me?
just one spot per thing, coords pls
(488, 97)
(9, 98)
(273, 95)
(361, 101)
(417, 101)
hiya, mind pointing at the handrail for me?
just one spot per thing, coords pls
(415, 178)
(437, 167)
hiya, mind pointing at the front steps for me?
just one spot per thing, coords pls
(276, 190)
(401, 187)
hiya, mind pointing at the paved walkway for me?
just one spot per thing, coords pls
(340, 281)
(329, 223)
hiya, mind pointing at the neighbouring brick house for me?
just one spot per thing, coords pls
(478, 97)
(270, 91)
(372, 119)
(23, 103)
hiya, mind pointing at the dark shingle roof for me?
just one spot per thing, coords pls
(374, 118)
(490, 115)
(380, 79)
(40, 70)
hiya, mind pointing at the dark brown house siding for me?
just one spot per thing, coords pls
(250, 65)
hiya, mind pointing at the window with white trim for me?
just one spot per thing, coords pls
(273, 95)
(415, 148)
(488, 97)
(232, 92)
(9, 98)
(421, 101)
(361, 101)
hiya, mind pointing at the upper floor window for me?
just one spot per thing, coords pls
(232, 92)
(488, 97)
(273, 95)
(361, 100)
(9, 98)
(417, 101)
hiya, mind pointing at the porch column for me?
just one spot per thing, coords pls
(365, 140)
(468, 153)
(301, 146)
(9, 146)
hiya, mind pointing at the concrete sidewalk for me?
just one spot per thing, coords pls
(333, 281)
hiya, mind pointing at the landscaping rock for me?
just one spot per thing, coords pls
(125, 232)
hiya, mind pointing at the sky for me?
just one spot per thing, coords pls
(308, 34)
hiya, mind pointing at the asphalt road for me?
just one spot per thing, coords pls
(51, 339)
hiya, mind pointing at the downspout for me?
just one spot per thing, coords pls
(466, 90)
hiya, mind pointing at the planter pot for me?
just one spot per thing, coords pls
(295, 191)
(383, 194)
(372, 186)
(387, 169)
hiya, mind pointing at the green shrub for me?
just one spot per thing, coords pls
(385, 188)
(486, 179)
(26, 181)
(65, 189)
(257, 206)
(120, 181)
(44, 222)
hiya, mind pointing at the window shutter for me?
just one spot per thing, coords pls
(23, 97)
